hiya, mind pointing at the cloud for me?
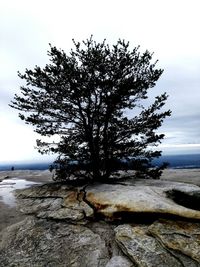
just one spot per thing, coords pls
(168, 28)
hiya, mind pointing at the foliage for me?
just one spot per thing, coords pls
(92, 99)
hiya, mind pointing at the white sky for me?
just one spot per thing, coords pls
(169, 28)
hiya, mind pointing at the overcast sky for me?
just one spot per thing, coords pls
(169, 28)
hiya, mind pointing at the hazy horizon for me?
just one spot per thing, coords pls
(50, 160)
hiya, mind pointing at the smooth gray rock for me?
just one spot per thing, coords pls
(116, 201)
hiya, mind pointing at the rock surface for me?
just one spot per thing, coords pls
(85, 226)
(180, 237)
(111, 201)
(35, 242)
(119, 261)
(164, 243)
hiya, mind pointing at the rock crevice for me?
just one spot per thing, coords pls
(85, 227)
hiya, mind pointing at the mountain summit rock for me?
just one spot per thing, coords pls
(129, 223)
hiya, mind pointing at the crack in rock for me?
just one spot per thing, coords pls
(68, 220)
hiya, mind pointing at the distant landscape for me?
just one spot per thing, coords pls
(186, 161)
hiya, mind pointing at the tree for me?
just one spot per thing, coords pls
(92, 99)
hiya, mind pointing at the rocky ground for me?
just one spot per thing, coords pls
(10, 215)
(178, 175)
(145, 223)
(30, 175)
(182, 175)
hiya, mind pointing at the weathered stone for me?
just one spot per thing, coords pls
(119, 261)
(75, 201)
(66, 230)
(35, 205)
(50, 190)
(34, 242)
(134, 198)
(128, 200)
(106, 232)
(60, 203)
(73, 235)
(163, 243)
(62, 214)
(181, 237)
(142, 249)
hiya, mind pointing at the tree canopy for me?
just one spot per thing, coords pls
(92, 99)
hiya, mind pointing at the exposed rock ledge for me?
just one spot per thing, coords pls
(128, 200)
(96, 225)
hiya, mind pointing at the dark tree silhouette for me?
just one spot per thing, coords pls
(91, 99)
